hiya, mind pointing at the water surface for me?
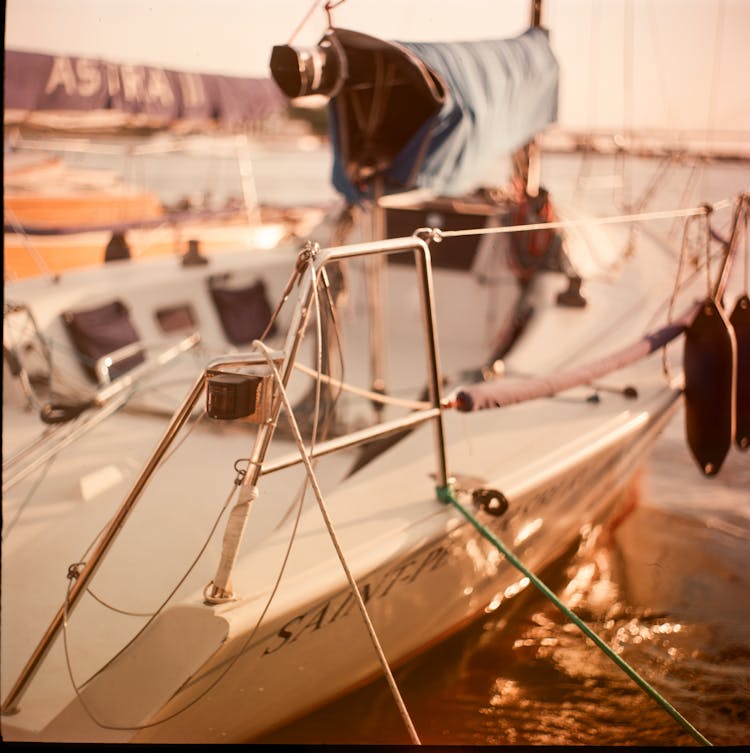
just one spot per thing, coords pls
(668, 590)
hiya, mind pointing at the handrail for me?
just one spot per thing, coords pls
(221, 589)
(422, 259)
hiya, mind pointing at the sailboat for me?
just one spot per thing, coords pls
(264, 481)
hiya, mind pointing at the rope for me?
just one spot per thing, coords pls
(673, 298)
(334, 539)
(72, 573)
(717, 66)
(446, 495)
(747, 251)
(304, 20)
(374, 396)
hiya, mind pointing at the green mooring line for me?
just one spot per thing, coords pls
(446, 495)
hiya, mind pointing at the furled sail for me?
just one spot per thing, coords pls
(488, 99)
(89, 93)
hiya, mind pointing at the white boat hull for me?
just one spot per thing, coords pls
(226, 682)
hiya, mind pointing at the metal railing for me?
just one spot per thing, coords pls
(266, 429)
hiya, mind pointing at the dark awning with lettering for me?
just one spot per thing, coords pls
(75, 91)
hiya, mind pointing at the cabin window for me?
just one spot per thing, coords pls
(176, 318)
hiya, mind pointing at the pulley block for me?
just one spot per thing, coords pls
(245, 394)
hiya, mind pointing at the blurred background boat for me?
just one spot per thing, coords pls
(61, 215)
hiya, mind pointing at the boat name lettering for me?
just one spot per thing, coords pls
(79, 77)
(343, 603)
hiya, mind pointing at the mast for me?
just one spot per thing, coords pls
(536, 13)
(527, 162)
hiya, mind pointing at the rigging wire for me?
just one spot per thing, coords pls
(677, 284)
(322, 343)
(437, 234)
(316, 404)
(660, 66)
(246, 643)
(328, 7)
(584, 169)
(231, 662)
(334, 539)
(627, 83)
(448, 496)
(707, 249)
(7, 527)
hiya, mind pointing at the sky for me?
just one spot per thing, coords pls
(677, 64)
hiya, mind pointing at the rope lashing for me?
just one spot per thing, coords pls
(447, 496)
(230, 544)
(498, 393)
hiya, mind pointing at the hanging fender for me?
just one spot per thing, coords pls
(740, 321)
(710, 362)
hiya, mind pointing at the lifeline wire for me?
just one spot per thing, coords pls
(447, 496)
(334, 539)
(614, 220)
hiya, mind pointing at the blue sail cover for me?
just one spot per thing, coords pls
(499, 95)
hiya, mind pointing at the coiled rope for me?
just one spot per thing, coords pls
(447, 496)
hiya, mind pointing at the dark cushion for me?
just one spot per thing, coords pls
(244, 312)
(102, 330)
